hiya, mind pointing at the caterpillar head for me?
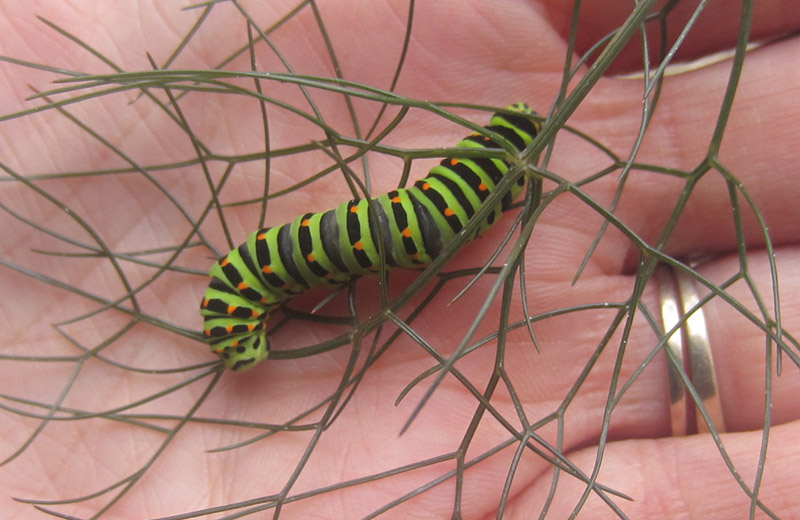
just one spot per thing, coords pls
(245, 353)
(234, 327)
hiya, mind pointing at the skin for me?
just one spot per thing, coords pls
(470, 59)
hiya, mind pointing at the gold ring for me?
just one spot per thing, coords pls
(689, 350)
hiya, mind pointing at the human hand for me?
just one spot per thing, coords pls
(458, 52)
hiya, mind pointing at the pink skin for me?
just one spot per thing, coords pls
(458, 52)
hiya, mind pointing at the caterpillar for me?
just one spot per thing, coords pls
(416, 224)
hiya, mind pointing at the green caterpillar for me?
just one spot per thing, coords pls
(416, 223)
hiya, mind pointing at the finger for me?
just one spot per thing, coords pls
(715, 30)
(677, 478)
(742, 356)
(757, 148)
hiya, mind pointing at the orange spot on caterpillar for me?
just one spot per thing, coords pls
(261, 236)
(482, 187)
(426, 186)
(232, 309)
(406, 232)
(266, 269)
(453, 161)
(397, 200)
(224, 262)
(353, 209)
(229, 328)
(449, 212)
(306, 222)
(205, 302)
(310, 258)
(242, 286)
(358, 246)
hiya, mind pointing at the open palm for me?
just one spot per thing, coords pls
(462, 52)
